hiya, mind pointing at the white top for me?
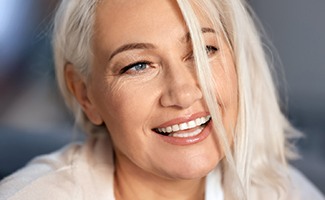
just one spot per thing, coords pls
(80, 171)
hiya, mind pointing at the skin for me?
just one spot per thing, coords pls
(134, 102)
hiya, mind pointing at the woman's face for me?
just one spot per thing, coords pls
(143, 86)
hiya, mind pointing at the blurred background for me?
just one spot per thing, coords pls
(34, 120)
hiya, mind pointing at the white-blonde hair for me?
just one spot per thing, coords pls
(258, 157)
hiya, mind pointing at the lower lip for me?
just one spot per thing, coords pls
(189, 140)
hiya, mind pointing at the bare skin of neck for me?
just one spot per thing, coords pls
(137, 185)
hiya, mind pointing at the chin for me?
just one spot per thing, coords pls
(195, 169)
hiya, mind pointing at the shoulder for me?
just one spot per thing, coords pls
(298, 188)
(303, 187)
(39, 172)
(74, 172)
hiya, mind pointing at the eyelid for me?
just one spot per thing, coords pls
(129, 66)
(207, 47)
(211, 47)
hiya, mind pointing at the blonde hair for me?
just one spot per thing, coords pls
(72, 43)
(258, 157)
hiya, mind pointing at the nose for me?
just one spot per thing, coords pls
(181, 86)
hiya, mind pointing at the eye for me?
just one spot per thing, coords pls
(210, 49)
(135, 67)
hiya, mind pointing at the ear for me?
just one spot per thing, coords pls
(78, 87)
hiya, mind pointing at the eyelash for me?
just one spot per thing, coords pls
(211, 48)
(133, 65)
(208, 48)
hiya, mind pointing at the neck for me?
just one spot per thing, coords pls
(134, 183)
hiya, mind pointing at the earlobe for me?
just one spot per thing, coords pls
(78, 88)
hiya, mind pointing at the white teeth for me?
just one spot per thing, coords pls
(169, 129)
(189, 134)
(198, 121)
(175, 127)
(184, 126)
(191, 124)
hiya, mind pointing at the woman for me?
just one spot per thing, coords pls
(178, 101)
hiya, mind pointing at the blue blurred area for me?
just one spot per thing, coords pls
(34, 120)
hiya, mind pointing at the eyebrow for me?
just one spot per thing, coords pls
(187, 37)
(133, 46)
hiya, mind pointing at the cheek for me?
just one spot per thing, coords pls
(227, 93)
(124, 115)
(126, 108)
(226, 84)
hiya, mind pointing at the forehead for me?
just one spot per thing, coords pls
(138, 20)
(131, 17)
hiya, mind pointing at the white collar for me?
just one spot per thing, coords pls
(213, 188)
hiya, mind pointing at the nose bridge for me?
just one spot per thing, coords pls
(181, 73)
(182, 88)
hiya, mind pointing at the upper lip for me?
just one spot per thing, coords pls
(183, 119)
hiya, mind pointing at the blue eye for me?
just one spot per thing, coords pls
(136, 67)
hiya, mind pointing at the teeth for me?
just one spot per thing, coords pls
(184, 126)
(189, 134)
(198, 121)
(191, 124)
(169, 129)
(175, 127)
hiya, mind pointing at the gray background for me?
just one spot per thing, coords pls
(297, 30)
(33, 119)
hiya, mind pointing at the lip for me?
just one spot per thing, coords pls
(188, 140)
(180, 120)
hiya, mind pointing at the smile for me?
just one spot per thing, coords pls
(186, 129)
